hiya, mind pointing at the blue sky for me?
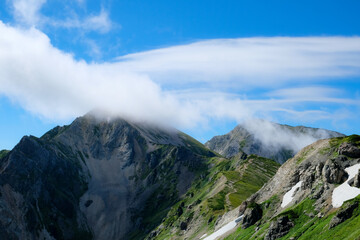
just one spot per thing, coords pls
(203, 65)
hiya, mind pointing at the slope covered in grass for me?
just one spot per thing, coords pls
(307, 224)
(222, 188)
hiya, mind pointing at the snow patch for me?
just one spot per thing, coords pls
(289, 196)
(345, 192)
(224, 229)
(203, 236)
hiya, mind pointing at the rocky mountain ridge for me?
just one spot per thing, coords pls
(267, 139)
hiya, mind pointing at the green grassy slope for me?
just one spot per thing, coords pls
(220, 189)
(308, 225)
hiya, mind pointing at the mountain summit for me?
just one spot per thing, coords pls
(96, 178)
(267, 139)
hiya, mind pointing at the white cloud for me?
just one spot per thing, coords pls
(252, 61)
(304, 92)
(52, 84)
(27, 11)
(274, 136)
(100, 23)
(80, 2)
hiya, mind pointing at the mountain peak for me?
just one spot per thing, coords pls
(267, 139)
(101, 172)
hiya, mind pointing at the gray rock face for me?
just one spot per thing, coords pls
(343, 215)
(95, 178)
(251, 215)
(349, 150)
(279, 228)
(333, 172)
(357, 180)
(243, 207)
(183, 225)
(267, 139)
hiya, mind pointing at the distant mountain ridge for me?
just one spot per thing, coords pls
(267, 139)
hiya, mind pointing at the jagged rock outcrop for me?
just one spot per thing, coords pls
(279, 228)
(183, 225)
(355, 182)
(252, 214)
(343, 215)
(333, 172)
(349, 150)
(266, 139)
(243, 207)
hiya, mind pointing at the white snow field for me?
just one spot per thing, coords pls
(345, 192)
(224, 229)
(288, 197)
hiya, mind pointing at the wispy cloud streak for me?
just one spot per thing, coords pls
(252, 61)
